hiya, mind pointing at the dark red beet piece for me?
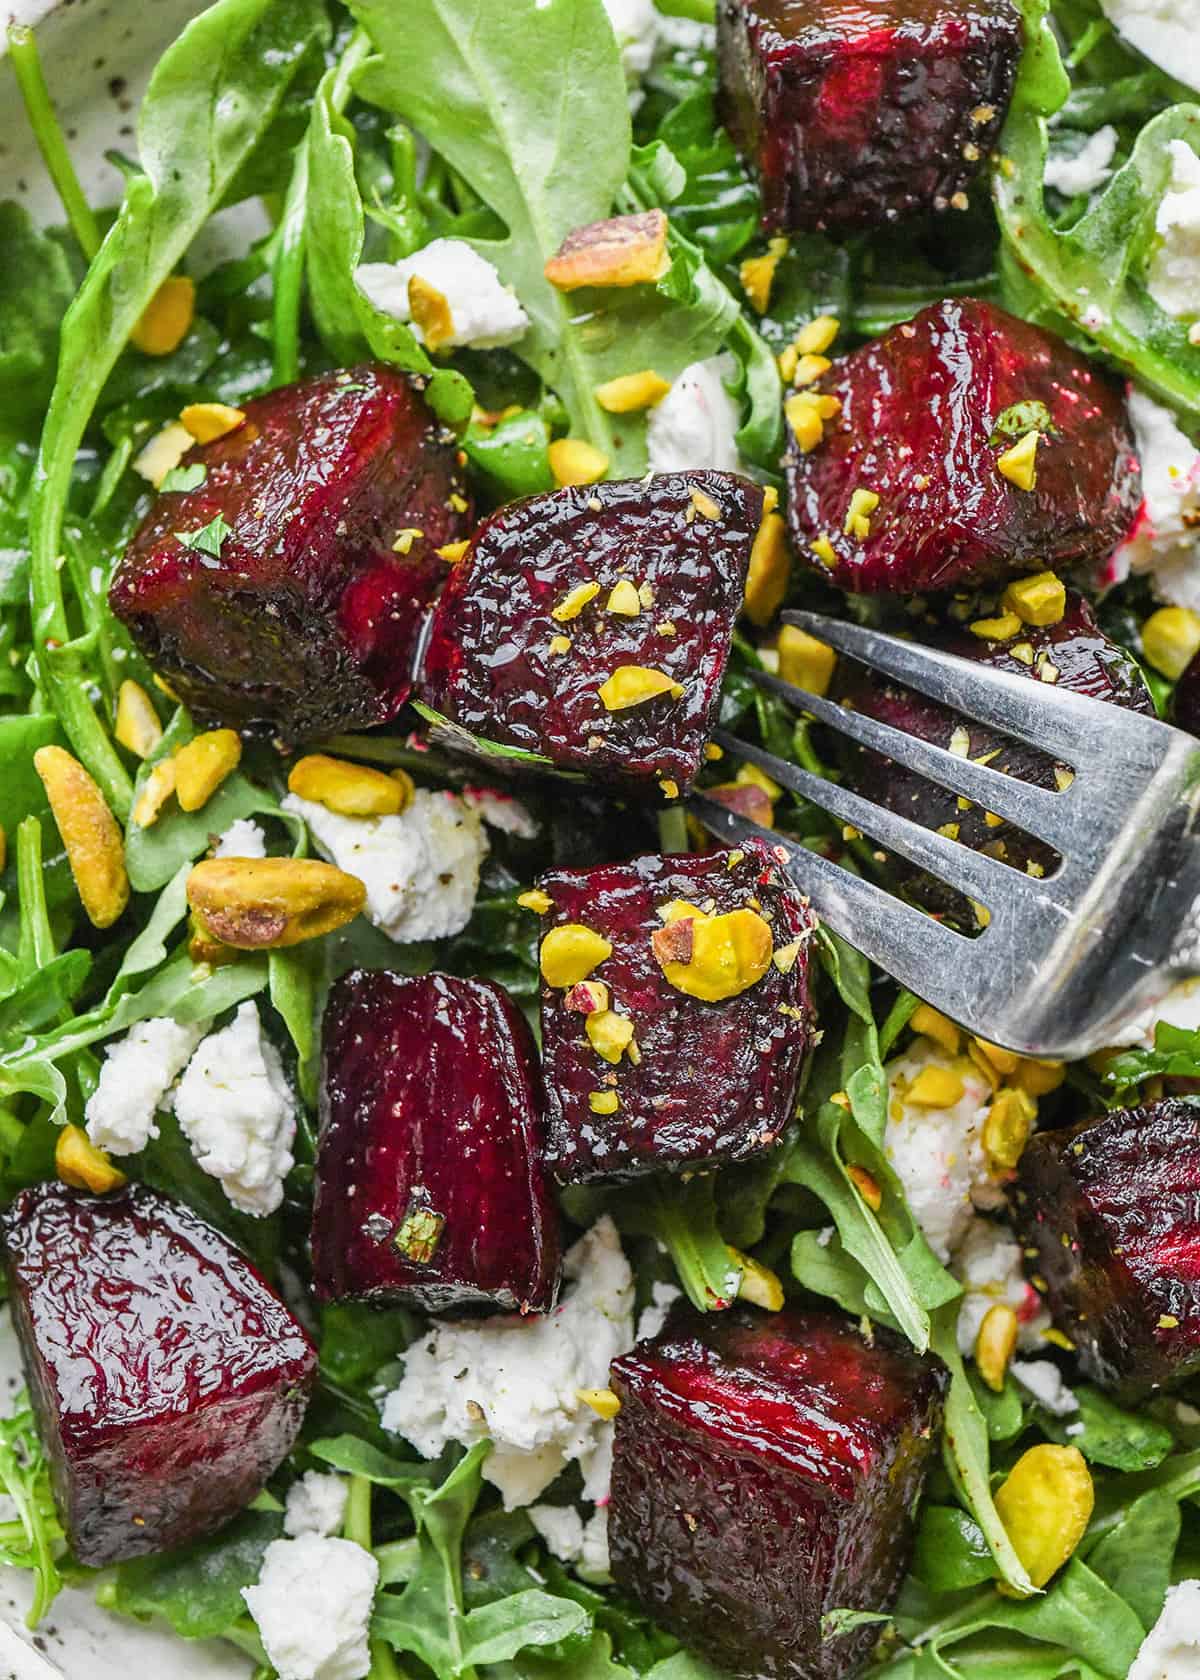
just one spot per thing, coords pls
(1074, 654)
(857, 115)
(1112, 1209)
(431, 1189)
(307, 620)
(490, 667)
(919, 407)
(716, 1081)
(168, 1378)
(1185, 701)
(766, 1471)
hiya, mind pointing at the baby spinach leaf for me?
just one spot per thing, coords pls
(951, 1550)
(197, 1589)
(1176, 1055)
(1135, 1557)
(530, 1619)
(1110, 1435)
(513, 455)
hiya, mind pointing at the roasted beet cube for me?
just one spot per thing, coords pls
(1109, 1211)
(1073, 654)
(766, 1471)
(645, 1067)
(431, 1189)
(1185, 701)
(928, 412)
(287, 588)
(856, 115)
(592, 624)
(168, 1378)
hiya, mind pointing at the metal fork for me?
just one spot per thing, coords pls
(1063, 960)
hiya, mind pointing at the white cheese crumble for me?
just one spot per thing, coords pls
(696, 422)
(1043, 1379)
(237, 1111)
(1088, 168)
(316, 1504)
(1164, 31)
(654, 1316)
(1180, 1008)
(242, 839)
(484, 312)
(988, 1265)
(573, 1541)
(938, 1152)
(420, 868)
(636, 26)
(138, 1071)
(517, 1379)
(1173, 280)
(502, 811)
(1171, 1650)
(1166, 537)
(312, 1606)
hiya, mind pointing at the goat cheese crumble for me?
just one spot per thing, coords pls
(484, 312)
(574, 1541)
(420, 867)
(312, 1606)
(1163, 31)
(1171, 1650)
(242, 839)
(1043, 1379)
(517, 1380)
(1180, 1008)
(137, 1074)
(988, 1265)
(1086, 169)
(502, 811)
(1174, 276)
(695, 424)
(636, 26)
(316, 1504)
(236, 1109)
(1165, 540)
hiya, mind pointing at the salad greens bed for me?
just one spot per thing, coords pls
(367, 130)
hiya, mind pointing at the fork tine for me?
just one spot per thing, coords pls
(1040, 714)
(1032, 808)
(911, 946)
(978, 876)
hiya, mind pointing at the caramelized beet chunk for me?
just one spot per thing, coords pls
(919, 408)
(766, 1471)
(714, 1081)
(305, 618)
(856, 115)
(168, 1378)
(1112, 1208)
(1074, 654)
(1185, 701)
(430, 1184)
(496, 662)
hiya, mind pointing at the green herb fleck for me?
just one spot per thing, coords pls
(185, 478)
(1022, 417)
(208, 538)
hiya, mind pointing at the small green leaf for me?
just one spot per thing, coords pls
(209, 538)
(185, 478)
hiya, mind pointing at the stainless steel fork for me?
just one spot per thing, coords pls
(1064, 960)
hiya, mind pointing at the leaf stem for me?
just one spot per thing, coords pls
(356, 1526)
(47, 131)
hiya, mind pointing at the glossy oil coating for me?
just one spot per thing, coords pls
(919, 406)
(431, 1187)
(168, 1378)
(716, 1081)
(1073, 654)
(767, 1468)
(490, 664)
(1112, 1208)
(306, 621)
(858, 112)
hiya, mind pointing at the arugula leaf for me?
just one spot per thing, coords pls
(32, 1537)
(682, 1216)
(197, 1589)
(1110, 1435)
(1176, 1055)
(513, 455)
(38, 286)
(209, 539)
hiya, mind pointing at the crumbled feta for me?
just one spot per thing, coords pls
(938, 1152)
(696, 422)
(987, 1263)
(1174, 277)
(573, 1541)
(242, 839)
(636, 26)
(689, 35)
(1171, 1650)
(1180, 1008)
(1166, 538)
(1043, 1379)
(655, 1315)
(1086, 169)
(502, 811)
(236, 1109)
(312, 1606)
(316, 1504)
(138, 1071)
(420, 868)
(517, 1379)
(1164, 31)
(484, 312)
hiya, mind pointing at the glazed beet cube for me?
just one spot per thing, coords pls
(563, 599)
(766, 1471)
(168, 1378)
(1073, 654)
(298, 612)
(431, 1189)
(1185, 701)
(856, 115)
(919, 410)
(714, 1079)
(1109, 1211)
